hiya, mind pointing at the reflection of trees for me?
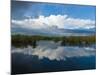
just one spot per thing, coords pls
(34, 44)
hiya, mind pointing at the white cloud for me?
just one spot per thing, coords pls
(80, 23)
(60, 21)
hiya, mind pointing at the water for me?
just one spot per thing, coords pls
(50, 56)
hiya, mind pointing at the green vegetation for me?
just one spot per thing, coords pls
(25, 40)
(79, 40)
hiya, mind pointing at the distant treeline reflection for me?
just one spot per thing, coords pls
(25, 40)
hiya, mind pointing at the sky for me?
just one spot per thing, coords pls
(35, 15)
(22, 9)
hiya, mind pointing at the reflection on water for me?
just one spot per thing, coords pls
(53, 50)
(49, 56)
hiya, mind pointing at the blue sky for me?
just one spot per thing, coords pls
(22, 9)
(51, 17)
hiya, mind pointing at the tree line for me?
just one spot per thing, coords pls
(25, 40)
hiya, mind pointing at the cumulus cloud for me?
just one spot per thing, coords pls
(48, 50)
(58, 21)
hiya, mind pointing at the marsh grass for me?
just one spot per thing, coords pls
(25, 40)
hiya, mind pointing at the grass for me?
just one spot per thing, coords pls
(25, 40)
